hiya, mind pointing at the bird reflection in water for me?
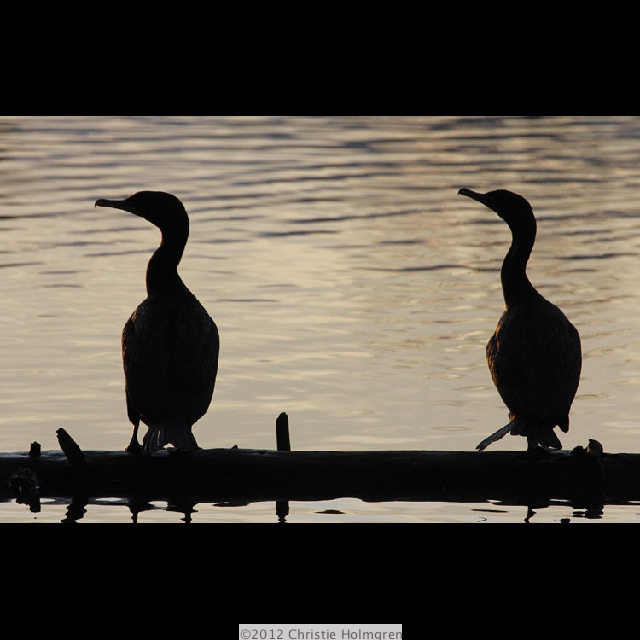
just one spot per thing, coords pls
(77, 510)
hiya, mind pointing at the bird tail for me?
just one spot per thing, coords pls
(162, 435)
(498, 435)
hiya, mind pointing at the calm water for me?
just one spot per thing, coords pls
(352, 287)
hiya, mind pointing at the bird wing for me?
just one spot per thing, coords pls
(170, 357)
(535, 360)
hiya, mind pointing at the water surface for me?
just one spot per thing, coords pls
(352, 287)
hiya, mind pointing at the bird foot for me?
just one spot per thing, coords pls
(134, 448)
(173, 451)
(538, 453)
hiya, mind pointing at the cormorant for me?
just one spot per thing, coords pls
(170, 345)
(535, 355)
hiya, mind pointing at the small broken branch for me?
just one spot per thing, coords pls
(71, 450)
(282, 433)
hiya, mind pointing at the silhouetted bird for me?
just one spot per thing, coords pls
(535, 355)
(170, 345)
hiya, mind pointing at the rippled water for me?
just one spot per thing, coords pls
(352, 287)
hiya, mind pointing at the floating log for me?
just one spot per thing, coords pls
(584, 478)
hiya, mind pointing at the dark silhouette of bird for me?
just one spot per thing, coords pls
(535, 355)
(170, 345)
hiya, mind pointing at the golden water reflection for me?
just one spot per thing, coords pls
(352, 287)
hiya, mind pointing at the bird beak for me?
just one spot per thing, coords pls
(114, 204)
(473, 195)
(123, 205)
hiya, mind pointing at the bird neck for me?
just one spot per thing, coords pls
(162, 273)
(515, 283)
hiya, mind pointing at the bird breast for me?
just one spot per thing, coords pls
(170, 353)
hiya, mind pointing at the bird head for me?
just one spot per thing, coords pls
(511, 207)
(161, 209)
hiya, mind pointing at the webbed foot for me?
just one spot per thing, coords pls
(538, 453)
(134, 448)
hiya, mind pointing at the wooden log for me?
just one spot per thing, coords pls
(582, 478)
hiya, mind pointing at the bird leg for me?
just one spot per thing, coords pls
(134, 417)
(134, 446)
